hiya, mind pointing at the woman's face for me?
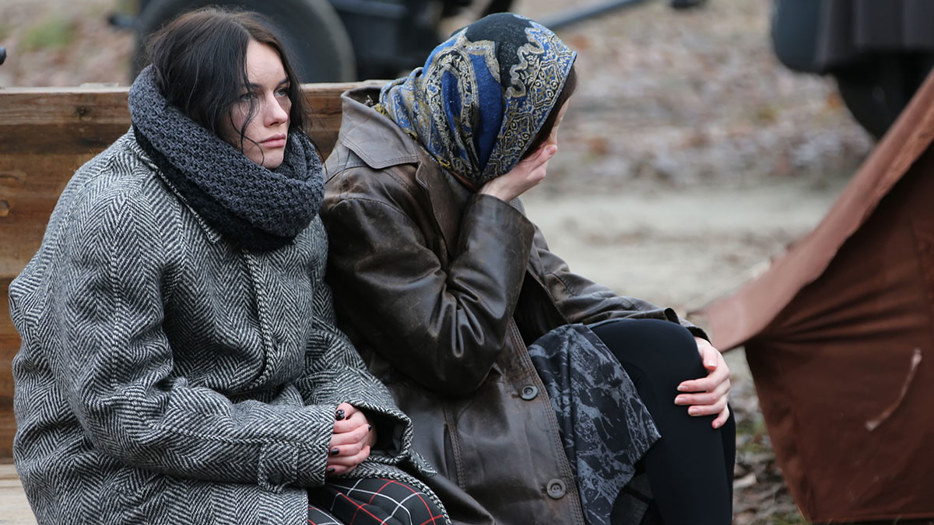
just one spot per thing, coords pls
(266, 135)
(553, 136)
(552, 139)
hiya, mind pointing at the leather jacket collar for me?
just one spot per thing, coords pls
(376, 139)
(381, 144)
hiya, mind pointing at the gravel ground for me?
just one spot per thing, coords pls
(689, 158)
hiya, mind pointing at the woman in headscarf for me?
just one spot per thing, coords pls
(179, 361)
(538, 394)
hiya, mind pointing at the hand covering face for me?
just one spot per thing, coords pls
(482, 95)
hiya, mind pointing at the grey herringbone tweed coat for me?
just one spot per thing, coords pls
(167, 378)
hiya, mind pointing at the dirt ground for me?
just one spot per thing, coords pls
(688, 159)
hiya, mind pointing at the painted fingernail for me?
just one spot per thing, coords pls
(339, 415)
(335, 451)
(369, 427)
(330, 470)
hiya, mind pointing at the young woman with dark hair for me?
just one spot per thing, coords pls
(538, 393)
(179, 360)
(203, 76)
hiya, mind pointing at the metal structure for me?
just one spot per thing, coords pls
(347, 40)
(331, 40)
(879, 52)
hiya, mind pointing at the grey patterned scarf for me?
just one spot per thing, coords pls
(605, 427)
(253, 207)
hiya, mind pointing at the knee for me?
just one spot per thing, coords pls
(661, 349)
(673, 353)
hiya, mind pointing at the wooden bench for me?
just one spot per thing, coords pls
(45, 135)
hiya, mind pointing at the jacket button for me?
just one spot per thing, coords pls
(556, 489)
(529, 392)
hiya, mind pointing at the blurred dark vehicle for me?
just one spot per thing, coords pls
(347, 40)
(879, 51)
(331, 40)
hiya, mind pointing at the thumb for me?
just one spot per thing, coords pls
(708, 356)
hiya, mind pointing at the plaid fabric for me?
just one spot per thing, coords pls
(371, 501)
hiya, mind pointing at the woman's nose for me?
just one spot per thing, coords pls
(275, 112)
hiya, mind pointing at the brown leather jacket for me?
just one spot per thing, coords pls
(441, 289)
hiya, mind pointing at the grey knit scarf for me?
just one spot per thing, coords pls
(253, 207)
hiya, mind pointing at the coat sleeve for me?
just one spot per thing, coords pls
(115, 363)
(441, 322)
(335, 373)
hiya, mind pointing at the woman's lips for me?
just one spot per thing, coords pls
(276, 141)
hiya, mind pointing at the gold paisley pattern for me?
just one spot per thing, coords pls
(477, 112)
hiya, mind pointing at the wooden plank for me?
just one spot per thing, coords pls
(78, 120)
(16, 509)
(87, 119)
(9, 345)
(47, 133)
(30, 184)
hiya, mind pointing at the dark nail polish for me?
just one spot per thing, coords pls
(330, 470)
(335, 451)
(369, 427)
(339, 415)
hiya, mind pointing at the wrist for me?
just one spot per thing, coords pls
(493, 190)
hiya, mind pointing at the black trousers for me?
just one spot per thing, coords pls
(690, 469)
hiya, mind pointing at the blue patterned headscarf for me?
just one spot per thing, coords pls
(482, 96)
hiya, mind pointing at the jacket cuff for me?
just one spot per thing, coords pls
(299, 461)
(506, 218)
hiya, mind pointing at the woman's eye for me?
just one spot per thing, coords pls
(283, 92)
(246, 97)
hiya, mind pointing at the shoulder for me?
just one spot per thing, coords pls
(121, 173)
(113, 208)
(369, 138)
(390, 185)
(112, 198)
(352, 179)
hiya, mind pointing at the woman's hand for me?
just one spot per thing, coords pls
(708, 395)
(525, 175)
(351, 441)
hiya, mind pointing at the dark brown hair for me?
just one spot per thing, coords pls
(570, 84)
(200, 64)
